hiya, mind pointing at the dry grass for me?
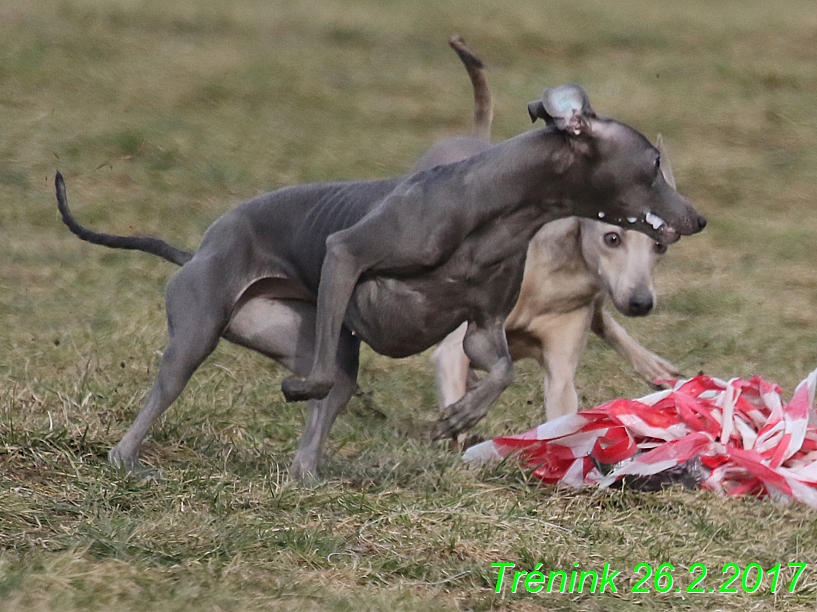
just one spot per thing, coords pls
(163, 115)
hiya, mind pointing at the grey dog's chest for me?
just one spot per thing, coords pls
(403, 316)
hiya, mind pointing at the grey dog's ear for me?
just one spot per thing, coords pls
(567, 107)
(536, 110)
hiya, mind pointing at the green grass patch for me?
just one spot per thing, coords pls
(164, 115)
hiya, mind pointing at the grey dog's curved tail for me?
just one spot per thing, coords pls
(154, 246)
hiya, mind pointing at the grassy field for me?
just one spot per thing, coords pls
(162, 115)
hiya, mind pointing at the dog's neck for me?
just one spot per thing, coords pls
(540, 169)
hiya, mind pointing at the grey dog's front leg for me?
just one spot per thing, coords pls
(339, 274)
(487, 348)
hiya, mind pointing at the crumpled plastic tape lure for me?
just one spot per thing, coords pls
(747, 440)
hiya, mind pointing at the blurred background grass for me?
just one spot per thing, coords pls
(163, 115)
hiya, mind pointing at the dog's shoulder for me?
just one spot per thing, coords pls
(557, 244)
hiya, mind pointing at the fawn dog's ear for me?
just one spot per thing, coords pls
(567, 107)
(666, 167)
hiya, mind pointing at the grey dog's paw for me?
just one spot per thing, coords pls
(454, 421)
(131, 466)
(298, 389)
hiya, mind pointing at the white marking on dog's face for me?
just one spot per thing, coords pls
(654, 220)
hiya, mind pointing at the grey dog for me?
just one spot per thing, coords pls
(304, 273)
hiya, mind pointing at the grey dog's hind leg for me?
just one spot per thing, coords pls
(284, 330)
(194, 326)
(321, 414)
(487, 348)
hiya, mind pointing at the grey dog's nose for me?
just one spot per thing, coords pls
(640, 304)
(701, 222)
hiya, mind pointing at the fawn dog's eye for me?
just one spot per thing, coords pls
(612, 240)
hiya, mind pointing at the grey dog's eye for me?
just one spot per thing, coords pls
(612, 239)
(658, 162)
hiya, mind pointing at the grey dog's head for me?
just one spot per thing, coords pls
(624, 174)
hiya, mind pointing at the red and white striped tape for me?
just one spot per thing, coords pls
(746, 438)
